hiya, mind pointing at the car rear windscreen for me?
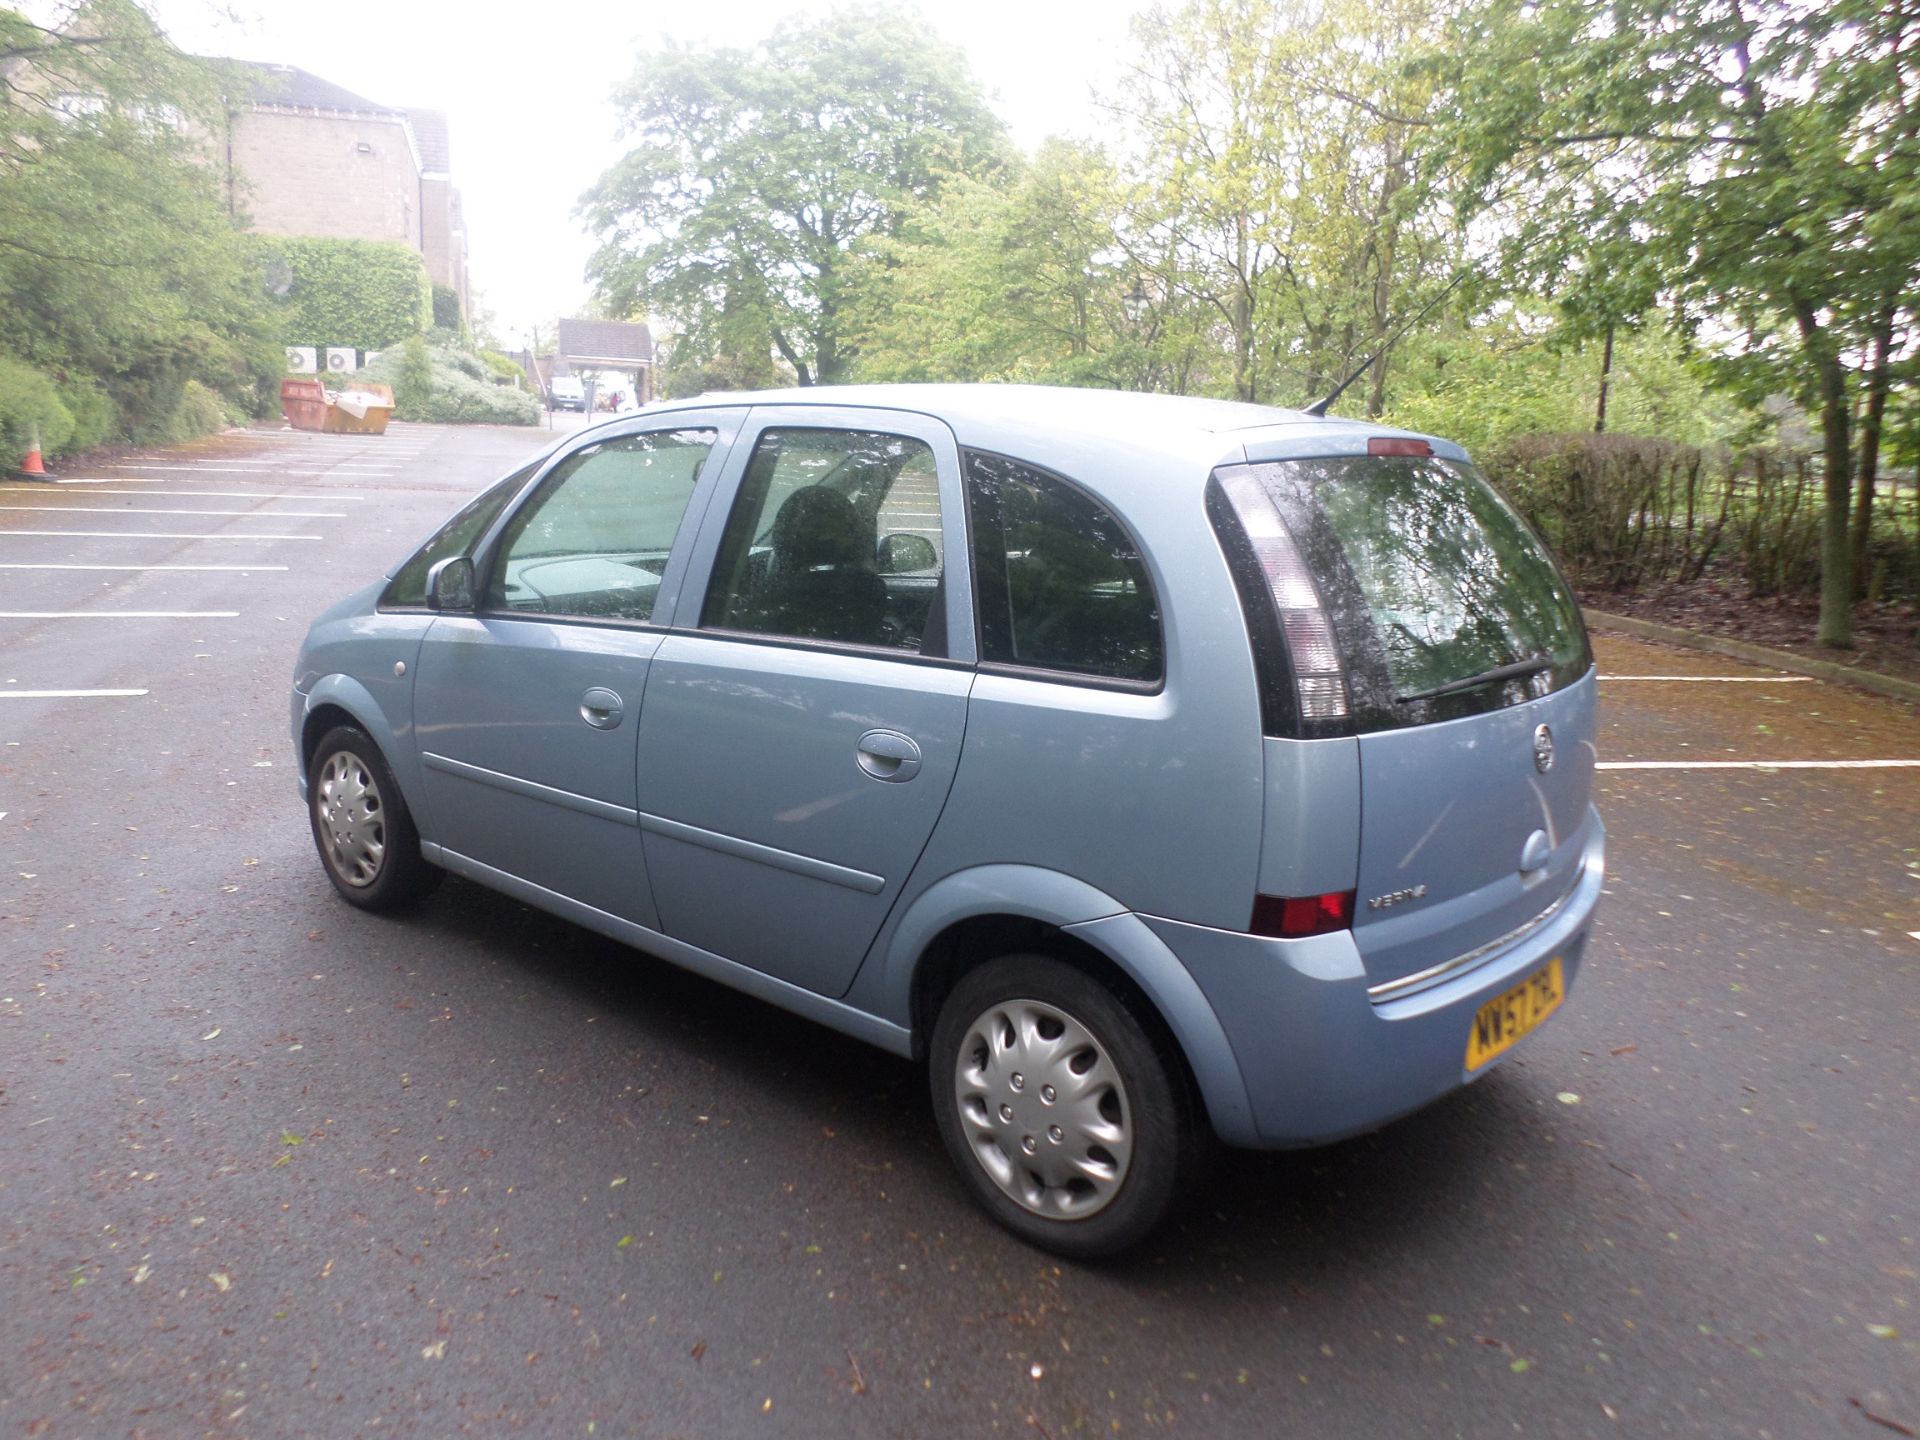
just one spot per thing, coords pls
(1467, 610)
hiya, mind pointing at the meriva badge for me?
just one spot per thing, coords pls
(1397, 897)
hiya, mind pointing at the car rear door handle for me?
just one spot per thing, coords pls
(601, 709)
(888, 755)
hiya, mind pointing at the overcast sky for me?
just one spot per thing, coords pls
(528, 99)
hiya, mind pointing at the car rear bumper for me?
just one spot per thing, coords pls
(1321, 1058)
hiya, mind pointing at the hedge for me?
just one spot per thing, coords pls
(365, 293)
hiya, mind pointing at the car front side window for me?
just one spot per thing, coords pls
(594, 542)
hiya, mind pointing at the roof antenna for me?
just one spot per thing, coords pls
(1320, 407)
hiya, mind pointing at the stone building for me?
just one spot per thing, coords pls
(302, 156)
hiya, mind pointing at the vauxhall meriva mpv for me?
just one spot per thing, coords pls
(1151, 769)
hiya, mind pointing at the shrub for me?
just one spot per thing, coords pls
(503, 370)
(446, 308)
(413, 378)
(94, 419)
(364, 293)
(445, 386)
(29, 399)
(198, 412)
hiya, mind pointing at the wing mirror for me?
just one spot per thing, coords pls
(902, 554)
(450, 585)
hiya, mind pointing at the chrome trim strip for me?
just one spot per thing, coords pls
(765, 854)
(1447, 969)
(514, 785)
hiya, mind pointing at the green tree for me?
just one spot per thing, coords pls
(1757, 162)
(1279, 184)
(117, 255)
(1016, 277)
(755, 175)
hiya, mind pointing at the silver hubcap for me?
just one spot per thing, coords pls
(353, 827)
(1044, 1109)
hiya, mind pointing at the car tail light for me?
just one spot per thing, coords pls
(1399, 445)
(1319, 682)
(1294, 917)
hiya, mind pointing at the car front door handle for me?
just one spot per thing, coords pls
(601, 709)
(888, 755)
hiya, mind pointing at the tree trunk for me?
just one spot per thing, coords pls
(1836, 569)
(1836, 416)
(1606, 379)
(1879, 382)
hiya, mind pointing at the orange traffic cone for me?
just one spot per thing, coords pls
(31, 466)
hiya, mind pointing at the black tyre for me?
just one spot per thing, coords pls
(366, 838)
(1068, 1118)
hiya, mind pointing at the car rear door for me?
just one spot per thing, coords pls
(803, 721)
(1438, 632)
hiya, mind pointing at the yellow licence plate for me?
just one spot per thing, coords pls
(1499, 1024)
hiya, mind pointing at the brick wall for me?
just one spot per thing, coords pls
(352, 177)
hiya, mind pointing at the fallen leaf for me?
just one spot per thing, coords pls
(623, 1242)
(211, 1033)
(1567, 1097)
(436, 1351)
(1520, 1367)
(1883, 1332)
(221, 1282)
(699, 1349)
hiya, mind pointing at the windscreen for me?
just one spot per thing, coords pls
(1458, 588)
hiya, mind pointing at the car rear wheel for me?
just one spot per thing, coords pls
(366, 838)
(1068, 1119)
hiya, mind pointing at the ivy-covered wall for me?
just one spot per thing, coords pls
(366, 293)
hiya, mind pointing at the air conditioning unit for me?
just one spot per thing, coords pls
(341, 360)
(302, 359)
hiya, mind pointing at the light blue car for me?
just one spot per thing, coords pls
(1154, 770)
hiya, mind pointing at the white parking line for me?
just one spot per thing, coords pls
(148, 535)
(332, 496)
(181, 510)
(64, 694)
(110, 480)
(119, 614)
(246, 568)
(1757, 765)
(1719, 679)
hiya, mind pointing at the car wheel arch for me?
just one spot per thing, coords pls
(976, 915)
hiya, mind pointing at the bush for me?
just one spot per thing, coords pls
(1623, 512)
(413, 379)
(446, 308)
(503, 370)
(364, 293)
(198, 412)
(446, 386)
(29, 399)
(94, 419)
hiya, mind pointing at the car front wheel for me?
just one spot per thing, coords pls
(1069, 1120)
(366, 837)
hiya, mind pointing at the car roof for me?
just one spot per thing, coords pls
(1084, 433)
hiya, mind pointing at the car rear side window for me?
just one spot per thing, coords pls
(1061, 582)
(835, 536)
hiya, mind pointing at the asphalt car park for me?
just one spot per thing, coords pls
(269, 1166)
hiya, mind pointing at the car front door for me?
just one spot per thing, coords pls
(527, 710)
(804, 719)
